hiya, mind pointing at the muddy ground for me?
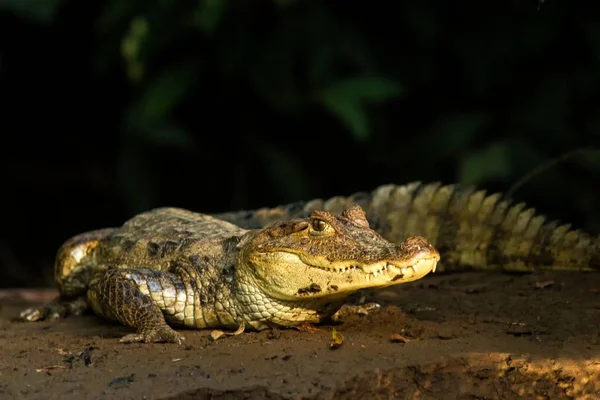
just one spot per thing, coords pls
(465, 336)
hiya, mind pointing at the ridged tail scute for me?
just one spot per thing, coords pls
(470, 229)
(474, 230)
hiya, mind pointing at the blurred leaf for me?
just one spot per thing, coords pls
(530, 167)
(525, 154)
(592, 125)
(131, 46)
(164, 93)
(286, 173)
(488, 163)
(114, 13)
(209, 13)
(36, 10)
(352, 114)
(135, 71)
(162, 134)
(364, 88)
(345, 99)
(134, 179)
(592, 30)
(590, 159)
(456, 132)
(546, 108)
(272, 71)
(139, 27)
(285, 3)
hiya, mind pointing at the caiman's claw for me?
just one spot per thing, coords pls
(164, 334)
(56, 309)
(34, 314)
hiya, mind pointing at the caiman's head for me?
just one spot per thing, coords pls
(333, 255)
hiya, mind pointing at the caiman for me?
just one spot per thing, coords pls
(297, 264)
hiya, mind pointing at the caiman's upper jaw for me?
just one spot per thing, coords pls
(385, 271)
(414, 270)
(412, 260)
(289, 276)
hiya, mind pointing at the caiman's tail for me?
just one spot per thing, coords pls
(469, 228)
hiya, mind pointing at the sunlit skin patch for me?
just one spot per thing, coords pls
(72, 258)
(336, 254)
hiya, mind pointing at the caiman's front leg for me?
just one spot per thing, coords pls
(73, 270)
(136, 298)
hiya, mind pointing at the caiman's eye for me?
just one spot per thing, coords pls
(318, 224)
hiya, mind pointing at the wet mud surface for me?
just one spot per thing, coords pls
(460, 336)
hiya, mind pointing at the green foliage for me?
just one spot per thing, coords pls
(161, 94)
(474, 96)
(346, 100)
(209, 13)
(40, 11)
(131, 48)
(457, 132)
(133, 178)
(217, 105)
(491, 162)
(590, 158)
(288, 174)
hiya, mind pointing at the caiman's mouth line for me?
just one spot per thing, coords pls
(372, 271)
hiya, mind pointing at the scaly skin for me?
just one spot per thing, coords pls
(270, 267)
(470, 229)
(172, 267)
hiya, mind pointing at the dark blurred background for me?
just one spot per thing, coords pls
(112, 107)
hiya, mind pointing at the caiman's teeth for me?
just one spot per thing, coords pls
(375, 274)
(434, 265)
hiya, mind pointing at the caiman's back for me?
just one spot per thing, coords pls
(156, 239)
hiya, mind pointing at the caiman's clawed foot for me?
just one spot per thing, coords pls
(160, 334)
(56, 309)
(34, 314)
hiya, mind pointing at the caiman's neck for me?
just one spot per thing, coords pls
(260, 310)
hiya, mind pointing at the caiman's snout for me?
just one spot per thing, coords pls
(416, 258)
(419, 250)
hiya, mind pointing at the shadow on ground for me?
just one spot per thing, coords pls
(467, 335)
